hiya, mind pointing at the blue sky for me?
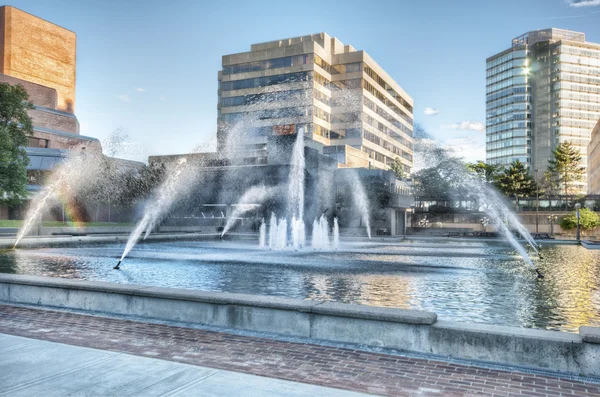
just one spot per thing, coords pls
(150, 67)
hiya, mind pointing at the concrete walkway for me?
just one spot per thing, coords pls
(31, 367)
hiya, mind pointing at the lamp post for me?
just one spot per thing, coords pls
(537, 203)
(484, 223)
(552, 218)
(577, 215)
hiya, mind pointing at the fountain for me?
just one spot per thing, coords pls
(336, 234)
(262, 241)
(171, 189)
(361, 202)
(79, 170)
(250, 200)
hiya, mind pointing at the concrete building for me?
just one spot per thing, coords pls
(543, 90)
(347, 106)
(594, 161)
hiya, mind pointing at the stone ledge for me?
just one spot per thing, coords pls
(590, 334)
(376, 313)
(223, 298)
(506, 331)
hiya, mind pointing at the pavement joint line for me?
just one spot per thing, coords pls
(21, 386)
(321, 342)
(182, 388)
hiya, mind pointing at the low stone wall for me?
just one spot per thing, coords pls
(407, 330)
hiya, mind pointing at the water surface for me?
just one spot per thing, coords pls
(460, 281)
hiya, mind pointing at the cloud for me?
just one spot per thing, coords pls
(123, 97)
(140, 89)
(430, 111)
(162, 98)
(467, 126)
(471, 148)
(583, 3)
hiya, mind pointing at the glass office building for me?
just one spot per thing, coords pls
(542, 91)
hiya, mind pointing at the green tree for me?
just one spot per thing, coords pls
(15, 126)
(397, 168)
(588, 219)
(486, 172)
(565, 167)
(515, 181)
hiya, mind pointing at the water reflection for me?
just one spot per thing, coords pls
(470, 282)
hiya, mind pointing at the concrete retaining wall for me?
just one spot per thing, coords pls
(409, 330)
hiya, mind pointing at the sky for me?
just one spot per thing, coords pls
(150, 67)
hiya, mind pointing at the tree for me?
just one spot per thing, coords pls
(397, 168)
(548, 185)
(15, 126)
(486, 172)
(588, 219)
(565, 167)
(515, 181)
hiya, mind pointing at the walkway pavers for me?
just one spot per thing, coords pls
(340, 368)
(31, 367)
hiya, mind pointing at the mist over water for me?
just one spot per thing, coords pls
(431, 154)
(175, 186)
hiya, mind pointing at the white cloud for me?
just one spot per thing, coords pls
(467, 126)
(123, 97)
(471, 148)
(162, 98)
(140, 89)
(430, 111)
(583, 3)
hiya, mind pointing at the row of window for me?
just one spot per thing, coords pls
(338, 69)
(387, 116)
(507, 117)
(371, 73)
(565, 49)
(387, 131)
(506, 161)
(573, 131)
(507, 135)
(526, 99)
(386, 145)
(265, 114)
(577, 78)
(578, 105)
(576, 87)
(377, 94)
(505, 75)
(507, 92)
(507, 57)
(521, 80)
(578, 60)
(275, 63)
(267, 97)
(578, 96)
(265, 81)
(567, 67)
(508, 152)
(508, 126)
(510, 143)
(515, 65)
(578, 114)
(515, 107)
(575, 123)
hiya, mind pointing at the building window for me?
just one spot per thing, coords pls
(38, 142)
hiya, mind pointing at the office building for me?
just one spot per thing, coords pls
(543, 90)
(347, 106)
(593, 173)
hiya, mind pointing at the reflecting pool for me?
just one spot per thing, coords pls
(461, 281)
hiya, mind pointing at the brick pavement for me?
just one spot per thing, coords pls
(376, 373)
